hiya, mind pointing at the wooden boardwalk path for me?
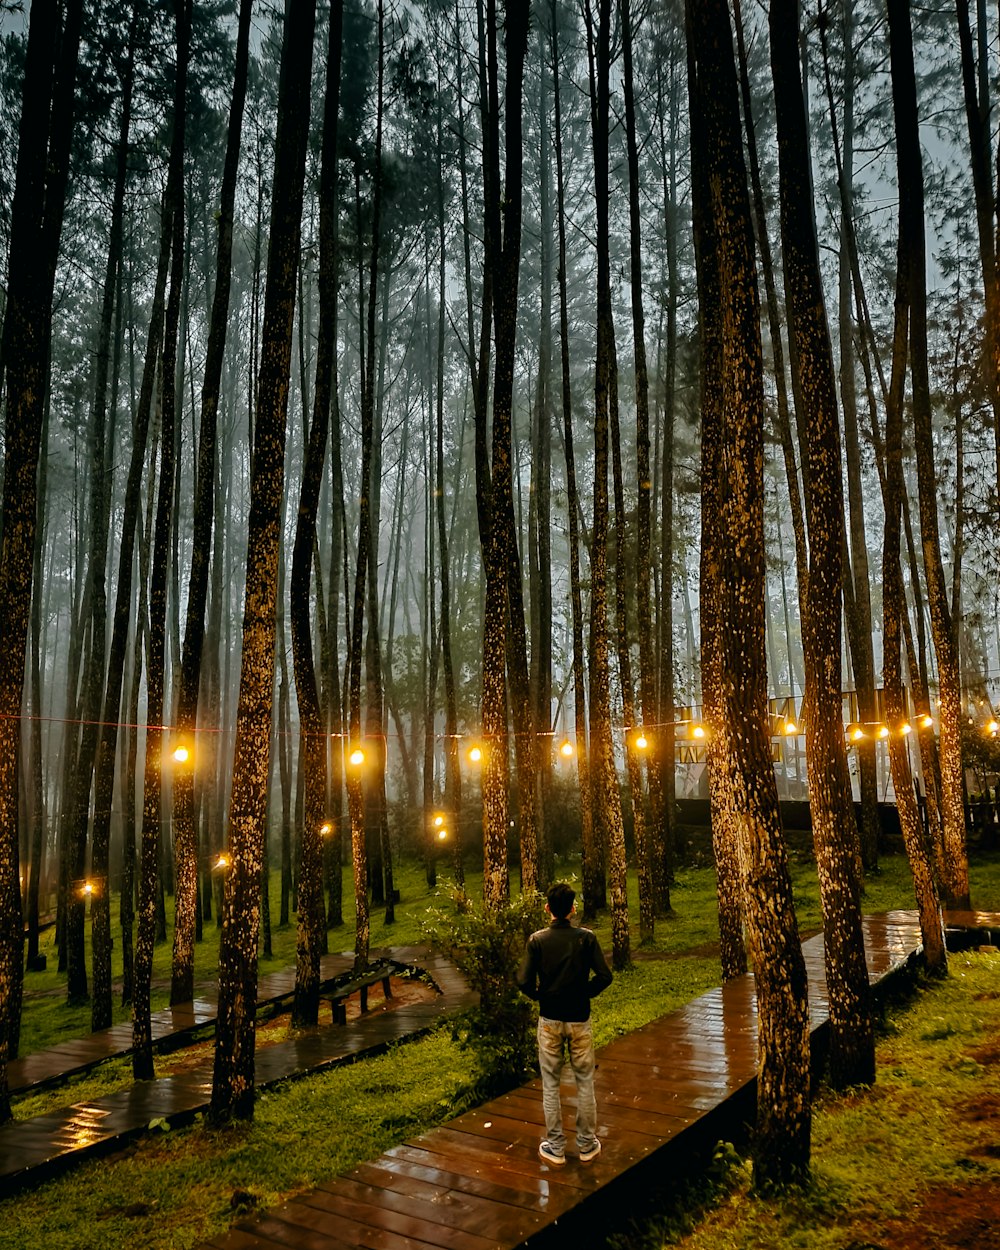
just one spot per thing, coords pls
(675, 1086)
(33, 1150)
(171, 1027)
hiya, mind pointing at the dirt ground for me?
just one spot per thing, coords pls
(271, 1032)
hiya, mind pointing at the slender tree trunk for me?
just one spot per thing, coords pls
(893, 606)
(835, 835)
(157, 748)
(724, 244)
(594, 889)
(100, 904)
(607, 796)
(185, 837)
(35, 230)
(312, 918)
(977, 114)
(650, 836)
(911, 213)
(233, 1080)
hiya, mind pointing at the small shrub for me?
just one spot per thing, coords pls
(487, 946)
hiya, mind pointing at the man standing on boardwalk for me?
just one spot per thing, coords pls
(556, 970)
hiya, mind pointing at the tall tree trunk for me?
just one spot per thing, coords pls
(607, 796)
(724, 243)
(100, 905)
(652, 850)
(859, 605)
(355, 789)
(157, 749)
(977, 114)
(667, 750)
(185, 837)
(911, 224)
(594, 888)
(540, 499)
(312, 917)
(835, 834)
(35, 230)
(452, 769)
(233, 1078)
(893, 607)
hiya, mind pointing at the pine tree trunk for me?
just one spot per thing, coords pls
(233, 1079)
(724, 250)
(35, 230)
(893, 606)
(835, 834)
(158, 749)
(607, 796)
(100, 905)
(910, 176)
(312, 916)
(185, 837)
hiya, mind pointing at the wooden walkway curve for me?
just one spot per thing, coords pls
(681, 1083)
(34, 1150)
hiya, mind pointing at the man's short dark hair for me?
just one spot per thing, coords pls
(560, 899)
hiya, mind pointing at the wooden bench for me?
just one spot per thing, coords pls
(338, 994)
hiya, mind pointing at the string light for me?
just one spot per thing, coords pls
(641, 742)
(993, 728)
(883, 731)
(475, 754)
(438, 821)
(356, 757)
(790, 728)
(906, 728)
(181, 754)
(325, 829)
(926, 721)
(222, 863)
(87, 889)
(699, 732)
(567, 750)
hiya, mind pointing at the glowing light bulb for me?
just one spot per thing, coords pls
(88, 889)
(698, 731)
(790, 727)
(222, 862)
(475, 754)
(356, 757)
(442, 835)
(883, 731)
(857, 733)
(993, 728)
(438, 821)
(926, 721)
(906, 728)
(566, 750)
(641, 742)
(325, 829)
(181, 754)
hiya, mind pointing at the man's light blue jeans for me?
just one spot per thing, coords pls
(552, 1035)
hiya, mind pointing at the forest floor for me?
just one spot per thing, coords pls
(900, 1161)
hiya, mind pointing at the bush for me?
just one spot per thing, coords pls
(487, 946)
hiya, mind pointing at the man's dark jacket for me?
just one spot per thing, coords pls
(556, 971)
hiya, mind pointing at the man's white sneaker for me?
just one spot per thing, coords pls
(546, 1152)
(592, 1153)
